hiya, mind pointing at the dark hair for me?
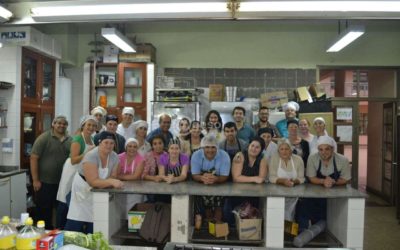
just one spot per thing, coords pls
(185, 119)
(263, 107)
(156, 137)
(207, 120)
(162, 116)
(230, 125)
(239, 108)
(106, 135)
(192, 124)
(265, 130)
(111, 118)
(292, 121)
(261, 141)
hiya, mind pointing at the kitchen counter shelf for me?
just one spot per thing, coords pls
(202, 236)
(324, 240)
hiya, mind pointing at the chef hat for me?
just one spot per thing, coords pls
(86, 118)
(319, 119)
(131, 140)
(106, 135)
(291, 105)
(98, 110)
(324, 139)
(139, 124)
(128, 110)
(209, 141)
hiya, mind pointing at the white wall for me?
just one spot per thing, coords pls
(10, 71)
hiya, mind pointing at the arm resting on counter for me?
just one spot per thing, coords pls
(137, 174)
(92, 177)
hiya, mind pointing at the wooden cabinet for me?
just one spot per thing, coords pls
(119, 85)
(37, 99)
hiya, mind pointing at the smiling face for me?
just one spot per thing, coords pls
(183, 126)
(267, 137)
(238, 115)
(319, 127)
(284, 151)
(196, 129)
(60, 126)
(230, 133)
(293, 128)
(106, 145)
(131, 148)
(165, 123)
(290, 113)
(89, 127)
(111, 126)
(210, 152)
(263, 115)
(174, 150)
(303, 126)
(141, 132)
(254, 148)
(158, 145)
(127, 118)
(325, 152)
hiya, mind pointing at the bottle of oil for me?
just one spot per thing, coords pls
(7, 234)
(26, 238)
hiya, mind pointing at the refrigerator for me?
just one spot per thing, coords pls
(177, 110)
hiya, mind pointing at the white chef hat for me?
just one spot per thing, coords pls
(319, 119)
(98, 110)
(209, 141)
(291, 105)
(128, 110)
(86, 118)
(131, 140)
(139, 124)
(325, 140)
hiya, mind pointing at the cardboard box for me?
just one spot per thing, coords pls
(302, 94)
(274, 99)
(291, 228)
(136, 216)
(248, 229)
(52, 241)
(145, 52)
(317, 90)
(218, 229)
(216, 92)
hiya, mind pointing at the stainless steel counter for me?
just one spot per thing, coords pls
(235, 189)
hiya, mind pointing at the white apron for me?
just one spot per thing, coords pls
(81, 207)
(290, 203)
(67, 176)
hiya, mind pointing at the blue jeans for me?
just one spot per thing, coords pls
(79, 226)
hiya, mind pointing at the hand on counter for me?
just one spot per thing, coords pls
(329, 182)
(115, 183)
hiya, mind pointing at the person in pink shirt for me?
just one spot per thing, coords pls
(131, 163)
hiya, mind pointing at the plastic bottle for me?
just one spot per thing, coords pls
(40, 227)
(7, 234)
(26, 238)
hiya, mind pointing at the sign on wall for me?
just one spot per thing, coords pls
(344, 114)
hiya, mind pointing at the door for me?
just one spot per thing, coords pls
(346, 133)
(389, 157)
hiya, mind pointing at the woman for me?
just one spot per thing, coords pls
(270, 147)
(174, 166)
(251, 165)
(140, 129)
(184, 129)
(304, 127)
(287, 169)
(152, 158)
(319, 125)
(299, 146)
(213, 124)
(80, 146)
(131, 168)
(99, 170)
(99, 113)
(193, 139)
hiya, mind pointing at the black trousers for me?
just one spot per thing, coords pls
(45, 203)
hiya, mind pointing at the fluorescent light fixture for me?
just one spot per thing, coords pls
(320, 6)
(346, 37)
(121, 41)
(131, 11)
(5, 14)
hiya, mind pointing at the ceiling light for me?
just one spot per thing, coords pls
(346, 37)
(121, 41)
(76, 12)
(5, 14)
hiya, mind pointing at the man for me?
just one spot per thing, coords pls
(290, 110)
(111, 126)
(125, 128)
(245, 131)
(49, 153)
(263, 116)
(325, 168)
(210, 166)
(165, 124)
(232, 144)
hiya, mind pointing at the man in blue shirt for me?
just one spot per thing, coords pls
(165, 124)
(209, 166)
(244, 130)
(290, 110)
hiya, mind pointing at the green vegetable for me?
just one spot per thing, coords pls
(94, 241)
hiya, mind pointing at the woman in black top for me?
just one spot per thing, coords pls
(299, 146)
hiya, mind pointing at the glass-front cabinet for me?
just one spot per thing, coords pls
(37, 100)
(118, 85)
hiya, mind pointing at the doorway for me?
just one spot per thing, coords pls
(366, 97)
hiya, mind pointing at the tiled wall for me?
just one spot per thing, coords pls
(251, 82)
(10, 71)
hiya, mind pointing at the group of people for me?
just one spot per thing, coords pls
(101, 155)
